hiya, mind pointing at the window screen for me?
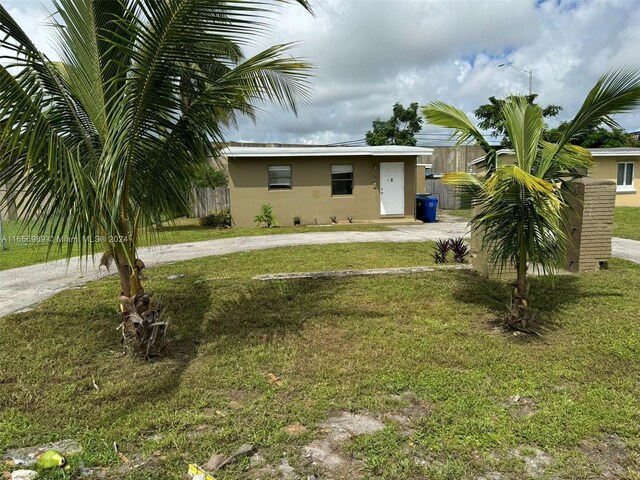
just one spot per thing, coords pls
(341, 179)
(279, 177)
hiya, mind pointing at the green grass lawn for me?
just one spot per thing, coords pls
(421, 346)
(626, 222)
(25, 247)
(460, 213)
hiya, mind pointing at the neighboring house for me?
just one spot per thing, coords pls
(317, 183)
(621, 165)
(635, 135)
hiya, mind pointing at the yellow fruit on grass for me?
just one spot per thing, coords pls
(51, 459)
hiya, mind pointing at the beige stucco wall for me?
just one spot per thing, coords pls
(8, 211)
(4, 211)
(606, 168)
(310, 196)
(420, 180)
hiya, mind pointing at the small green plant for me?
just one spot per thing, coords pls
(333, 218)
(350, 219)
(220, 219)
(442, 247)
(459, 248)
(297, 220)
(266, 217)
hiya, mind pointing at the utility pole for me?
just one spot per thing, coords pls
(528, 73)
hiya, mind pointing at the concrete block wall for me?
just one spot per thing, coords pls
(589, 223)
(480, 257)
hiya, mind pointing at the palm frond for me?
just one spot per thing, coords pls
(617, 91)
(268, 76)
(106, 141)
(464, 184)
(448, 116)
(570, 161)
(42, 160)
(520, 211)
(525, 125)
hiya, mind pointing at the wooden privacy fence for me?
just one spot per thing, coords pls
(207, 200)
(448, 197)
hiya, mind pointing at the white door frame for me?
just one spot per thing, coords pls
(391, 188)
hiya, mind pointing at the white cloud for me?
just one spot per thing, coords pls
(32, 18)
(371, 53)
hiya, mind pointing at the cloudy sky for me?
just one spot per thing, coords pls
(369, 54)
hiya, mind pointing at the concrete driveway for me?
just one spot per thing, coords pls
(25, 286)
(22, 287)
(627, 249)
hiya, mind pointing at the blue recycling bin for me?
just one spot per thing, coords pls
(426, 206)
(431, 205)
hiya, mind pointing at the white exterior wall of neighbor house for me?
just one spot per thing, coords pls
(309, 174)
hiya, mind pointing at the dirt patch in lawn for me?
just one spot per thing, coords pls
(338, 429)
(609, 457)
(326, 457)
(535, 460)
(521, 407)
(28, 456)
(409, 410)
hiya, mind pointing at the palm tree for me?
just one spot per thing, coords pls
(519, 201)
(107, 140)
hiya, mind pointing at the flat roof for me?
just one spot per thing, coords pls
(596, 152)
(384, 150)
(615, 152)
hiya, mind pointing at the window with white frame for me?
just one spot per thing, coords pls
(279, 177)
(341, 179)
(625, 176)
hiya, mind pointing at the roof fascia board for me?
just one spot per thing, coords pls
(311, 152)
(615, 154)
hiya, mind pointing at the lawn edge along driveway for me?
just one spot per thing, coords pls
(26, 286)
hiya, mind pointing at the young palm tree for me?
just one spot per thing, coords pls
(107, 140)
(520, 200)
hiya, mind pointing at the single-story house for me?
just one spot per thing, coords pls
(620, 165)
(319, 182)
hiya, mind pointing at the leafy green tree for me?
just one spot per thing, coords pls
(491, 118)
(400, 129)
(210, 177)
(109, 139)
(595, 137)
(519, 204)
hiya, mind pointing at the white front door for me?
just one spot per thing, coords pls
(392, 188)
